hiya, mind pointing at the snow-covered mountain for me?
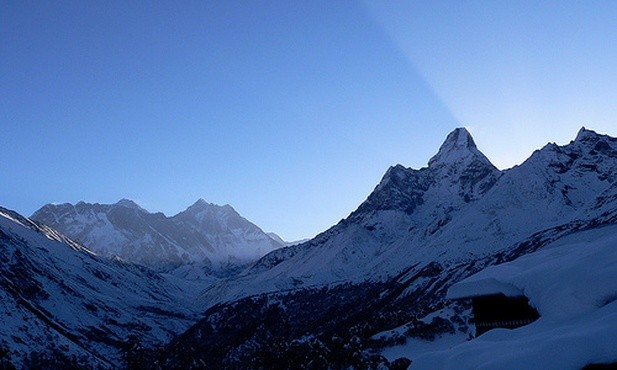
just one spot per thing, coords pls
(392, 260)
(458, 208)
(205, 235)
(56, 296)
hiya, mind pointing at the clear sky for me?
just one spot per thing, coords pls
(290, 111)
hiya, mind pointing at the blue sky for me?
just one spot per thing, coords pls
(290, 111)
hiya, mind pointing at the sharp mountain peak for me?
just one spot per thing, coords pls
(587, 135)
(202, 204)
(459, 138)
(124, 202)
(458, 148)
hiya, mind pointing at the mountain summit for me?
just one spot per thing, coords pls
(459, 148)
(129, 204)
(458, 173)
(584, 134)
(204, 208)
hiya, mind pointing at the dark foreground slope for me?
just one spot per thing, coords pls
(59, 299)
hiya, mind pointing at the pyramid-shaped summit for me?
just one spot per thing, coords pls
(459, 149)
(459, 173)
(203, 209)
(129, 204)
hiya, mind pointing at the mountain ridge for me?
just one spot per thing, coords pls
(212, 236)
(414, 213)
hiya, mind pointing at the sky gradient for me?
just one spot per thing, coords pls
(289, 111)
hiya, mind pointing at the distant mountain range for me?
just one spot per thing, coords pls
(373, 281)
(208, 235)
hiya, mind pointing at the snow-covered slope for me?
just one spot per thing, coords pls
(206, 236)
(56, 294)
(458, 209)
(572, 283)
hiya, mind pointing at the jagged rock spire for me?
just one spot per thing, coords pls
(585, 133)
